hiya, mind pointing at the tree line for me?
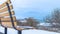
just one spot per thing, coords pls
(28, 22)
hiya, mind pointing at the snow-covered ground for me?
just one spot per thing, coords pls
(13, 31)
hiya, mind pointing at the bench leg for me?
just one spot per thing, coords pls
(19, 32)
(5, 30)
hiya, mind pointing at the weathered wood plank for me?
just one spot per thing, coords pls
(8, 19)
(4, 4)
(8, 24)
(6, 9)
(7, 14)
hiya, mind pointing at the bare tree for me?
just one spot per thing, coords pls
(32, 22)
(54, 18)
(19, 22)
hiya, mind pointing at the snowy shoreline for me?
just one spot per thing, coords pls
(31, 31)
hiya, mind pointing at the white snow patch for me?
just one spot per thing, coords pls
(12, 31)
(1, 29)
(37, 32)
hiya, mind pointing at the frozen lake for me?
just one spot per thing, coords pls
(13, 31)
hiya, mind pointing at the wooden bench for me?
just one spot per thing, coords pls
(7, 16)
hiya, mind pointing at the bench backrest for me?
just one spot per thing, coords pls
(7, 18)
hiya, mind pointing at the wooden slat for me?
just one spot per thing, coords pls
(8, 24)
(8, 1)
(5, 9)
(7, 14)
(8, 19)
(4, 4)
(19, 28)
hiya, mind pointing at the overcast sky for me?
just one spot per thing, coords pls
(34, 8)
